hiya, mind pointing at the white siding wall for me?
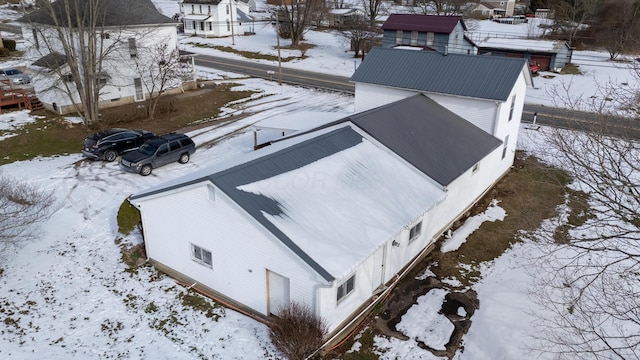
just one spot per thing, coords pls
(481, 113)
(369, 96)
(241, 251)
(368, 274)
(463, 191)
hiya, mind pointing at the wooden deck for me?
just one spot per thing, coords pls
(10, 97)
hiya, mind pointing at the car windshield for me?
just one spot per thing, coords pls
(148, 148)
(12, 72)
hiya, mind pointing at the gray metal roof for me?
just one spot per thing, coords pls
(433, 139)
(484, 77)
(51, 61)
(109, 13)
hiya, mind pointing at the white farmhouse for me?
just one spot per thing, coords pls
(332, 217)
(216, 18)
(133, 37)
(487, 91)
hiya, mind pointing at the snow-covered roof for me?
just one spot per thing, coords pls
(548, 46)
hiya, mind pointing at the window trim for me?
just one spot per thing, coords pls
(346, 288)
(202, 259)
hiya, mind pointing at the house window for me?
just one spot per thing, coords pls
(228, 26)
(193, 9)
(513, 105)
(209, 9)
(346, 287)
(414, 232)
(210, 28)
(504, 147)
(414, 38)
(227, 7)
(105, 36)
(399, 37)
(430, 37)
(200, 8)
(137, 82)
(35, 38)
(133, 51)
(202, 25)
(201, 256)
(475, 168)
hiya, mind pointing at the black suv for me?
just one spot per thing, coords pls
(108, 144)
(158, 151)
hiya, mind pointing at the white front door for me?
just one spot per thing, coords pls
(277, 292)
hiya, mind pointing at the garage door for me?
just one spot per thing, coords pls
(544, 61)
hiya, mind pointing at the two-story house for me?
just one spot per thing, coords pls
(444, 34)
(215, 18)
(131, 38)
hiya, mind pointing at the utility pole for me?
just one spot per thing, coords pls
(278, 42)
(233, 40)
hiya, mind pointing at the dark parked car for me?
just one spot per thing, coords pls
(158, 151)
(108, 144)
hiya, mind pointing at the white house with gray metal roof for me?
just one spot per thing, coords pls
(330, 217)
(487, 91)
(133, 36)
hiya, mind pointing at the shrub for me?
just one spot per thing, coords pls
(128, 217)
(296, 331)
(9, 44)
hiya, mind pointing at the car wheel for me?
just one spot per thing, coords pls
(110, 155)
(184, 158)
(145, 170)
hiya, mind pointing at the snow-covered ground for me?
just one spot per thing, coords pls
(67, 294)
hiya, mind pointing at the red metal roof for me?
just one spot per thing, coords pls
(425, 23)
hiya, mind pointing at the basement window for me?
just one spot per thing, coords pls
(201, 256)
(414, 232)
(346, 287)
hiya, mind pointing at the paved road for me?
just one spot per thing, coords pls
(544, 115)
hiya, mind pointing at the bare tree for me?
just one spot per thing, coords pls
(373, 9)
(74, 31)
(160, 67)
(359, 34)
(592, 286)
(440, 7)
(84, 42)
(618, 26)
(571, 15)
(295, 18)
(22, 205)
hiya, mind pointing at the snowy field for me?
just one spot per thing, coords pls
(67, 294)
